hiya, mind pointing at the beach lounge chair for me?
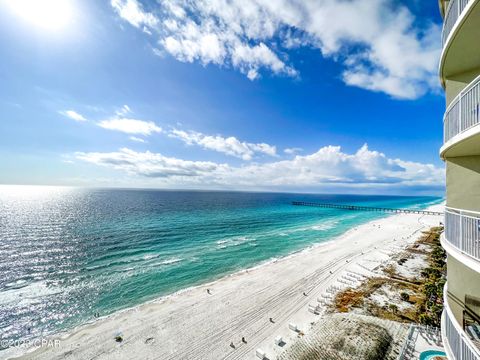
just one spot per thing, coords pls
(279, 341)
(259, 353)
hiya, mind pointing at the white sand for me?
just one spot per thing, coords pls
(387, 295)
(195, 325)
(412, 267)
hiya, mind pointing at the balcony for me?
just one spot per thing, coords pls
(462, 231)
(461, 30)
(460, 123)
(455, 340)
(454, 10)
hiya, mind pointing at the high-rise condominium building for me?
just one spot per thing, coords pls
(460, 76)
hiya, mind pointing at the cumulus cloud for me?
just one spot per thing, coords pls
(250, 58)
(133, 12)
(227, 145)
(381, 45)
(327, 167)
(73, 115)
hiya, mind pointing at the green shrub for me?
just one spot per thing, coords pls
(425, 319)
(393, 308)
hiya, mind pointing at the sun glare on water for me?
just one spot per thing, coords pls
(52, 15)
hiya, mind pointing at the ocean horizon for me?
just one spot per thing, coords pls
(72, 254)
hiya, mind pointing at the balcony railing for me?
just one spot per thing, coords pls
(454, 11)
(462, 230)
(464, 111)
(460, 345)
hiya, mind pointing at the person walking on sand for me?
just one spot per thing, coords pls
(243, 340)
(208, 292)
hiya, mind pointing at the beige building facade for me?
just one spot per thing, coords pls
(459, 72)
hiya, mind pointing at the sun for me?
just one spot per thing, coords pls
(52, 15)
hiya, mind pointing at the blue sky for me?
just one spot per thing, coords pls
(276, 95)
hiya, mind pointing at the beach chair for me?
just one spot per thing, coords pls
(279, 341)
(293, 327)
(260, 354)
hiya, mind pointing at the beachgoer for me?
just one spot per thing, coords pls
(243, 340)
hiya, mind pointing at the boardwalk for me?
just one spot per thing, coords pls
(365, 208)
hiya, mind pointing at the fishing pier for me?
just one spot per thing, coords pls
(365, 208)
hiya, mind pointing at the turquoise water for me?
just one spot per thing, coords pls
(430, 354)
(68, 253)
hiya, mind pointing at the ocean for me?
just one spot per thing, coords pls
(69, 254)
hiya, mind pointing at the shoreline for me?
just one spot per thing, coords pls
(251, 280)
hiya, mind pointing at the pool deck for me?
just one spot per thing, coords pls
(420, 339)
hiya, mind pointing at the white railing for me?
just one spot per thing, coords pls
(454, 10)
(462, 230)
(460, 345)
(464, 111)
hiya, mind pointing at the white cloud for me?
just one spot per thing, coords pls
(149, 164)
(327, 168)
(119, 122)
(227, 145)
(73, 115)
(132, 11)
(381, 45)
(291, 151)
(204, 47)
(124, 110)
(137, 139)
(250, 58)
(131, 126)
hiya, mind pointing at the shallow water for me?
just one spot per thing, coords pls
(68, 253)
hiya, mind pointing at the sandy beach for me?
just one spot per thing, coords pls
(257, 304)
